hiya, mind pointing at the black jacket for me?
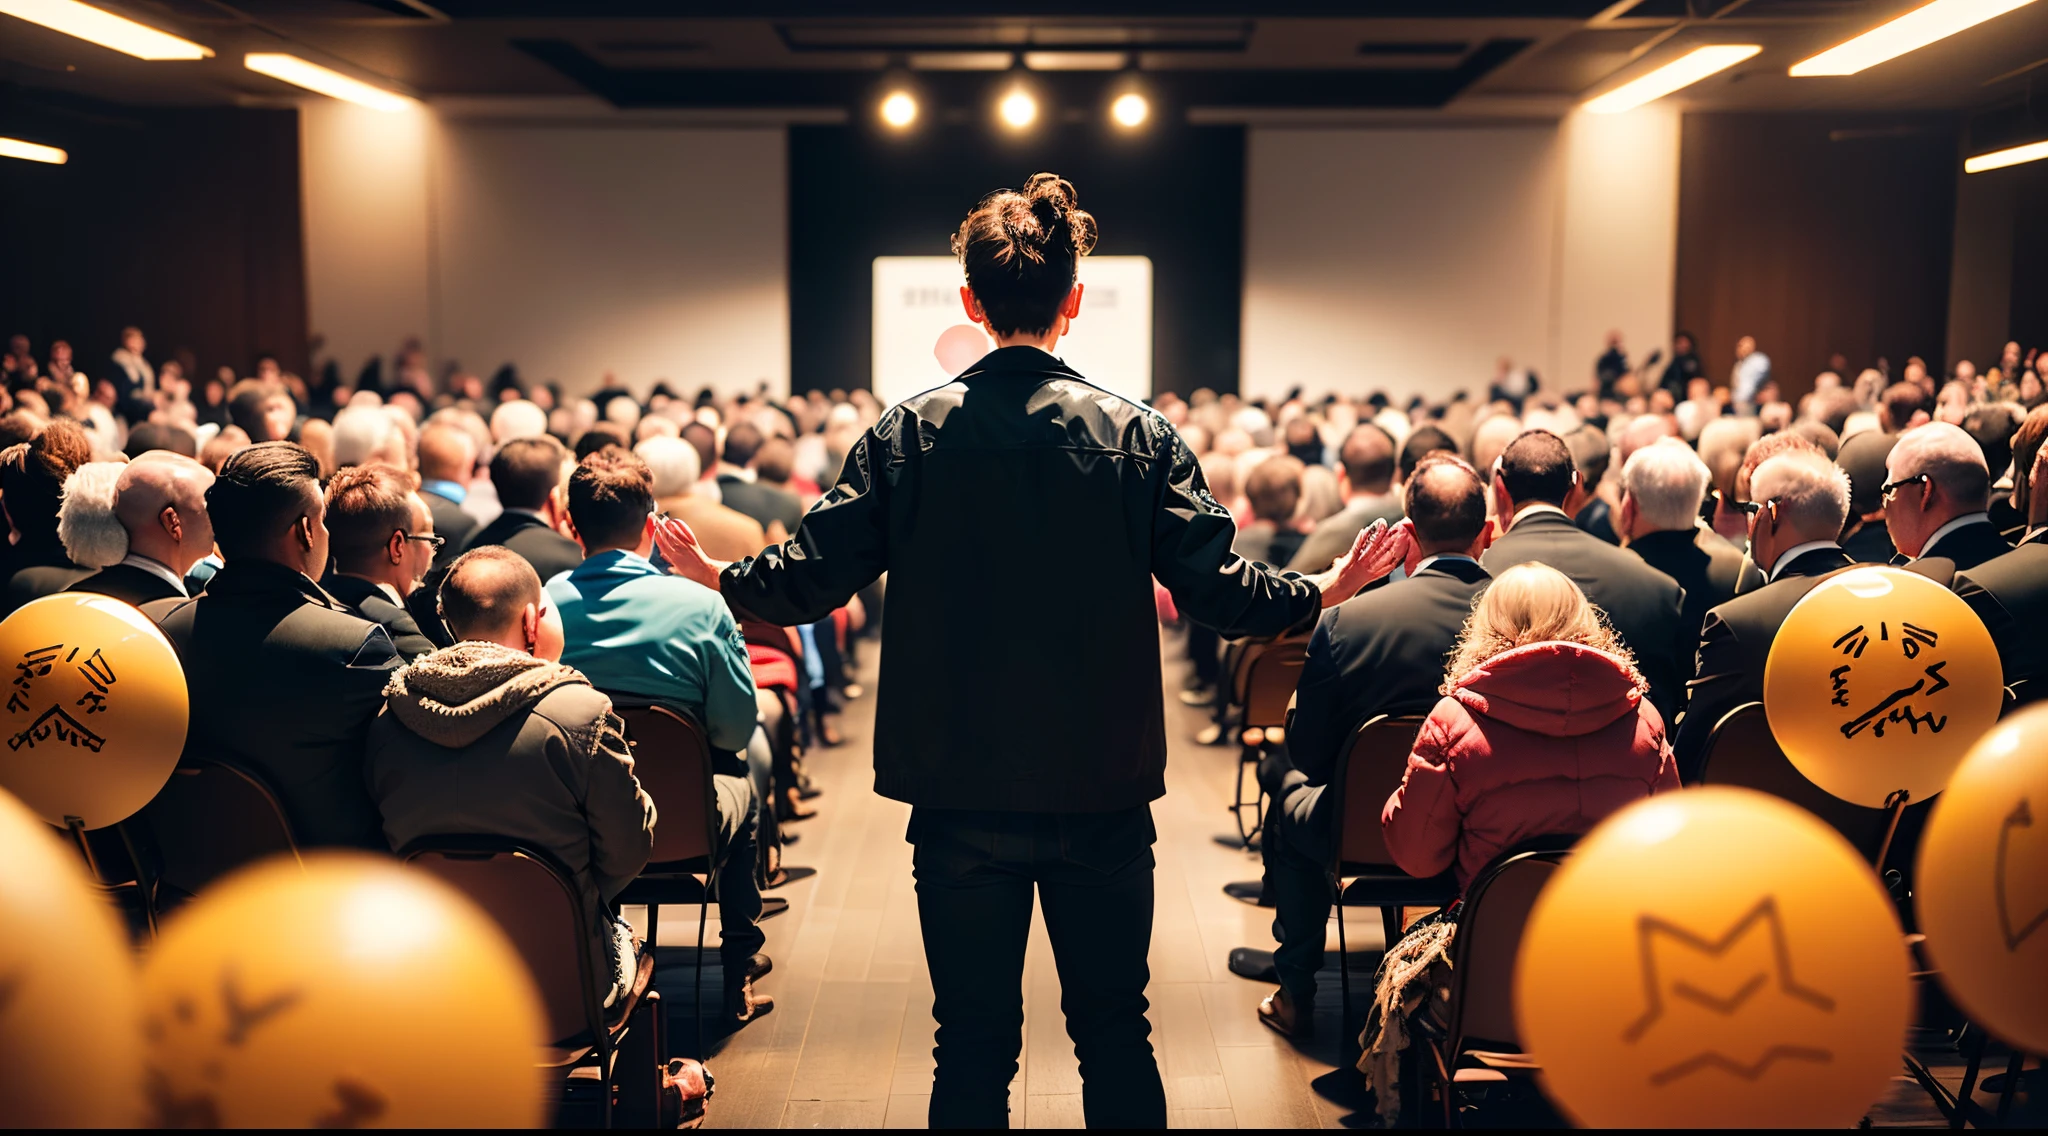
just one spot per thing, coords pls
(1871, 543)
(1022, 515)
(550, 553)
(1645, 606)
(369, 601)
(1734, 646)
(1382, 651)
(1961, 550)
(1703, 563)
(285, 681)
(2010, 594)
(450, 522)
(764, 503)
(129, 584)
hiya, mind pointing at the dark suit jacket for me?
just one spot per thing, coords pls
(764, 503)
(285, 681)
(550, 553)
(129, 584)
(1734, 646)
(2010, 594)
(1598, 518)
(451, 522)
(1871, 544)
(1382, 651)
(1961, 550)
(1645, 606)
(38, 569)
(1702, 562)
(369, 601)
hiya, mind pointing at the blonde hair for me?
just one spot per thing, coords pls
(1532, 603)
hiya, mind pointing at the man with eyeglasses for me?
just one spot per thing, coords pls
(1936, 495)
(383, 543)
(1798, 501)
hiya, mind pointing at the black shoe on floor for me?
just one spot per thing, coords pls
(786, 876)
(772, 905)
(1257, 965)
(759, 967)
(1248, 891)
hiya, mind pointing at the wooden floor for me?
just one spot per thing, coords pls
(849, 1043)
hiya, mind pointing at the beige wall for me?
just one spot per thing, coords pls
(1411, 259)
(571, 248)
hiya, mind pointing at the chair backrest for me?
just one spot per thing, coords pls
(209, 819)
(1267, 674)
(767, 634)
(1741, 751)
(1490, 927)
(534, 901)
(1368, 772)
(673, 762)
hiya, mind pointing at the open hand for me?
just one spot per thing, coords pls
(686, 557)
(1378, 551)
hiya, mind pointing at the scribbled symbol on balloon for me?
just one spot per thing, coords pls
(240, 1018)
(1762, 918)
(55, 720)
(2006, 879)
(1893, 709)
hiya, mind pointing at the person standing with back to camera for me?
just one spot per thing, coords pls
(1029, 759)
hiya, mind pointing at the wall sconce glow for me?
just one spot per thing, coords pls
(899, 109)
(314, 77)
(31, 152)
(1018, 109)
(95, 25)
(1130, 110)
(1999, 159)
(1676, 75)
(1910, 32)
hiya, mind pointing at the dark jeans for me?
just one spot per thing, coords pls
(739, 895)
(976, 872)
(1297, 850)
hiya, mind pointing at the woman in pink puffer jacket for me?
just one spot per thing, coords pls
(1543, 729)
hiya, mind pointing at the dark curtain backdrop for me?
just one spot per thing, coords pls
(183, 222)
(1816, 233)
(2029, 253)
(1175, 194)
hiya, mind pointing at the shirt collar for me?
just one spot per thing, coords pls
(1966, 519)
(452, 490)
(1422, 565)
(1786, 557)
(155, 568)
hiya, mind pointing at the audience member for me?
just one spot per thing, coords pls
(367, 434)
(776, 510)
(284, 680)
(447, 462)
(1935, 497)
(1590, 455)
(1382, 652)
(1992, 426)
(1866, 539)
(495, 737)
(32, 477)
(1534, 485)
(1904, 406)
(526, 472)
(638, 632)
(1274, 490)
(148, 436)
(1365, 465)
(1801, 502)
(1662, 487)
(162, 530)
(384, 543)
(726, 533)
(2010, 592)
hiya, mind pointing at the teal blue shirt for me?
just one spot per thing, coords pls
(633, 629)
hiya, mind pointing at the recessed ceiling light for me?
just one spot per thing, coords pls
(98, 26)
(2011, 156)
(1910, 32)
(1018, 109)
(899, 109)
(1682, 72)
(334, 84)
(1130, 110)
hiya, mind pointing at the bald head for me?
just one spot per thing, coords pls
(1446, 503)
(160, 500)
(447, 453)
(487, 592)
(1949, 457)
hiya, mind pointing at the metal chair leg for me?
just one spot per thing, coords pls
(1959, 1116)
(2013, 1069)
(1345, 1035)
(697, 994)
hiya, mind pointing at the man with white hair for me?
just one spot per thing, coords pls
(1661, 489)
(157, 530)
(1936, 493)
(365, 434)
(1798, 501)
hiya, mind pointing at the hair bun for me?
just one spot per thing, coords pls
(1058, 209)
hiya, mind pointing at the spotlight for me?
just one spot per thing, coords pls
(32, 152)
(899, 109)
(333, 84)
(1130, 110)
(1018, 109)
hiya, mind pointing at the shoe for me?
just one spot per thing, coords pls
(1281, 1016)
(1199, 696)
(1257, 965)
(828, 735)
(782, 877)
(1248, 891)
(771, 906)
(792, 808)
(759, 967)
(743, 1006)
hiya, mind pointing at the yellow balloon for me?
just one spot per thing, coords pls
(1713, 958)
(1878, 681)
(69, 1030)
(1982, 884)
(354, 993)
(96, 708)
